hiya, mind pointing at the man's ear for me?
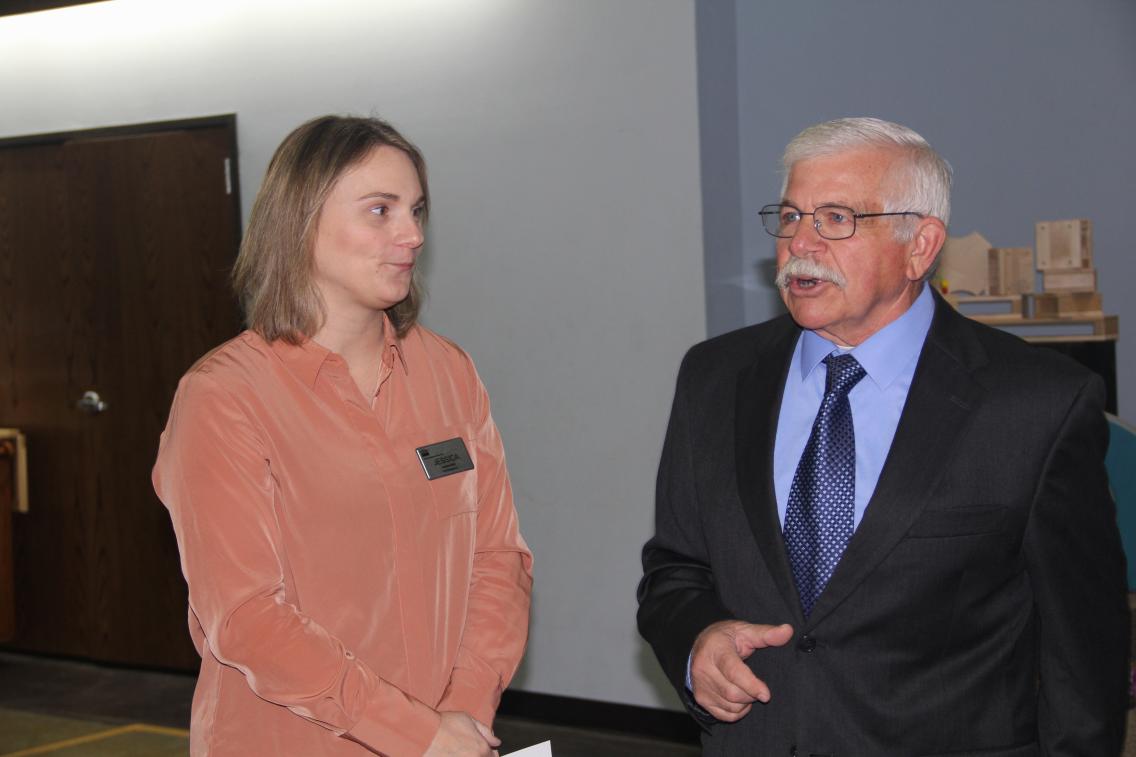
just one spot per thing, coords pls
(924, 248)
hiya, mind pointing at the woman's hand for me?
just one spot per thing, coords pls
(459, 735)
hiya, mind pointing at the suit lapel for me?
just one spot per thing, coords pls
(759, 392)
(936, 412)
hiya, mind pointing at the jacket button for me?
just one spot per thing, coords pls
(807, 643)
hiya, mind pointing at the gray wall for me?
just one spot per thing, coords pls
(564, 248)
(1032, 101)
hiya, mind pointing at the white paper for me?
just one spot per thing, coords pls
(536, 750)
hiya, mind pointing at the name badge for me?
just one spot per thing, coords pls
(444, 458)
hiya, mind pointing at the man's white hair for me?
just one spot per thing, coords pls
(926, 188)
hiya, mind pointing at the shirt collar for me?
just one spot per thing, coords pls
(885, 353)
(308, 358)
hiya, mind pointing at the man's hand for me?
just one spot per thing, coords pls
(722, 684)
(459, 735)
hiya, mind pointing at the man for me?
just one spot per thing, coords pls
(882, 528)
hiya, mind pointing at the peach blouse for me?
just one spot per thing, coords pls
(339, 599)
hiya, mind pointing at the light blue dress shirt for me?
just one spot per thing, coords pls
(889, 357)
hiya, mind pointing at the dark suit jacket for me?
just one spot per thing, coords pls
(980, 608)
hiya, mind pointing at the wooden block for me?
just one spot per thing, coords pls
(1010, 270)
(1051, 304)
(1069, 280)
(1064, 244)
(963, 266)
(1107, 325)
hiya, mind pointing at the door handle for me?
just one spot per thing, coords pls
(91, 403)
(14, 447)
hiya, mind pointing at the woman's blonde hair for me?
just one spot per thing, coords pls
(273, 272)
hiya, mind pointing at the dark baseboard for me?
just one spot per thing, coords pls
(606, 716)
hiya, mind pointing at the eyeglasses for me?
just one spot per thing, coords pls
(830, 221)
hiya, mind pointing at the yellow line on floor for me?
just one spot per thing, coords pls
(99, 736)
(159, 729)
(53, 746)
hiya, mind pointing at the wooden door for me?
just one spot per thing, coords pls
(119, 249)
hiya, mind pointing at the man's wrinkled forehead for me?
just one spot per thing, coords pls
(858, 178)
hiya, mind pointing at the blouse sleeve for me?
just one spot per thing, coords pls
(214, 475)
(496, 625)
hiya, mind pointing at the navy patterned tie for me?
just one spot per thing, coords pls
(818, 520)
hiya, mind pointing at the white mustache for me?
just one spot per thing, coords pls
(806, 268)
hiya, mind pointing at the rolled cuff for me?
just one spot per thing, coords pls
(396, 731)
(472, 694)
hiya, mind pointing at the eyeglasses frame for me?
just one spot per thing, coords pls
(816, 224)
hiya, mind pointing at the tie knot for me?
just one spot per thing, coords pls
(844, 372)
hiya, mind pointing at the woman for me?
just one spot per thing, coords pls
(357, 582)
